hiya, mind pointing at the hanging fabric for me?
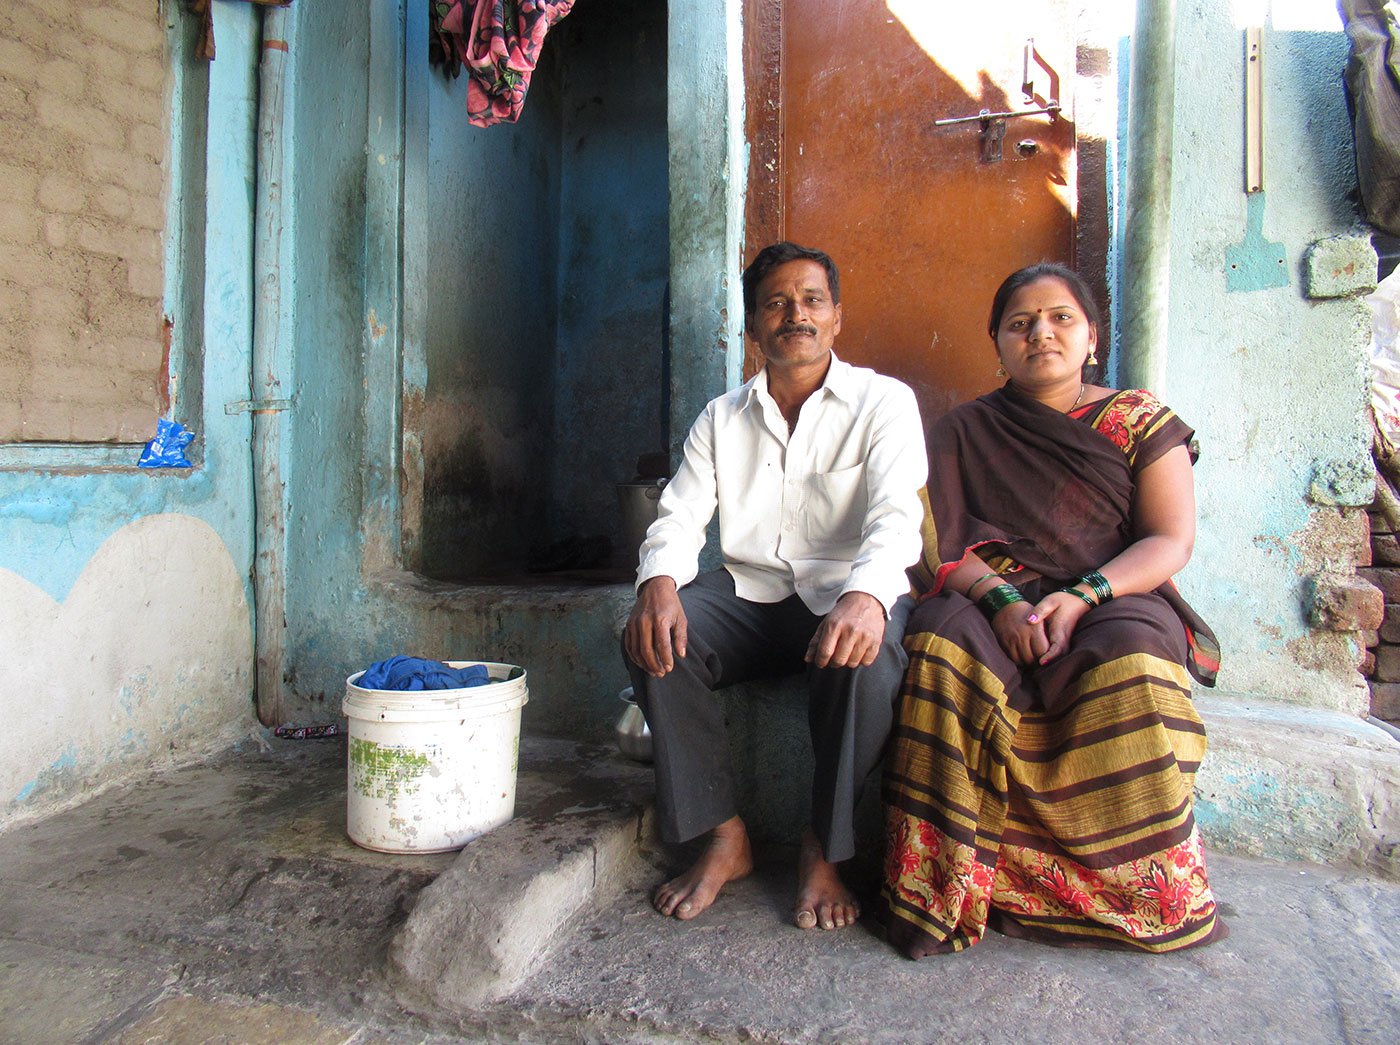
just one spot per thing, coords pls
(499, 42)
(205, 8)
(1373, 89)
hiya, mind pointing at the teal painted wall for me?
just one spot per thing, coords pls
(484, 262)
(125, 618)
(327, 439)
(489, 254)
(613, 263)
(542, 248)
(352, 596)
(1274, 383)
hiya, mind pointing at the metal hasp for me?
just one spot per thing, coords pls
(993, 126)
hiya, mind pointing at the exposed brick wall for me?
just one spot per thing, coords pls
(1382, 663)
(84, 103)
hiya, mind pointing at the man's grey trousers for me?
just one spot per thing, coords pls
(730, 640)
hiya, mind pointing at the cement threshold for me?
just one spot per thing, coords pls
(222, 903)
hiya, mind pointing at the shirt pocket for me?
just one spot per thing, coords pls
(836, 507)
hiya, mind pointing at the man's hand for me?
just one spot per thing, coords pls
(655, 634)
(850, 635)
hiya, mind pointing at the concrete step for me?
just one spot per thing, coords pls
(488, 922)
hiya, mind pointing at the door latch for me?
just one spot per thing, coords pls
(993, 126)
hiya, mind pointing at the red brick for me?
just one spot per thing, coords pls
(1348, 603)
(116, 165)
(17, 185)
(19, 226)
(1385, 701)
(1390, 626)
(1386, 578)
(1387, 664)
(1370, 638)
(1385, 549)
(1368, 664)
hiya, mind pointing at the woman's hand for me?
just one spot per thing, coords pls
(1059, 613)
(1020, 632)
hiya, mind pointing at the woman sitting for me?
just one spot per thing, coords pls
(1040, 773)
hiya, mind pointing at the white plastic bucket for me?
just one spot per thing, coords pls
(429, 770)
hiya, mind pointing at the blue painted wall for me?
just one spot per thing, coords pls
(613, 262)
(484, 260)
(543, 257)
(125, 622)
(489, 251)
(1273, 382)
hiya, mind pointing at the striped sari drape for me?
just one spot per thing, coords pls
(1072, 826)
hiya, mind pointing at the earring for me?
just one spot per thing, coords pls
(1093, 359)
(1001, 370)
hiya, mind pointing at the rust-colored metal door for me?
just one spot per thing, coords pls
(923, 220)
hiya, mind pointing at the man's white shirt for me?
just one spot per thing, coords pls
(829, 508)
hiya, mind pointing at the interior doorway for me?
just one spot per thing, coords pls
(536, 265)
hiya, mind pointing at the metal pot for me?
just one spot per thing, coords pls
(638, 503)
(633, 736)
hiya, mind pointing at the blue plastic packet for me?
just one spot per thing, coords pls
(167, 449)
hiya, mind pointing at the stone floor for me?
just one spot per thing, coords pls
(222, 903)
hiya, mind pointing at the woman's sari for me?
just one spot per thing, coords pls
(1049, 801)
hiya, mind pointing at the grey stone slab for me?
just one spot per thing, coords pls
(488, 921)
(50, 994)
(247, 914)
(1312, 956)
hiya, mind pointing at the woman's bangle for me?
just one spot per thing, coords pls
(997, 599)
(1075, 591)
(979, 580)
(1096, 580)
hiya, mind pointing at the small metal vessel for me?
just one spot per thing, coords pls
(633, 736)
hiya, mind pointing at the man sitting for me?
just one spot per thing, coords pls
(814, 467)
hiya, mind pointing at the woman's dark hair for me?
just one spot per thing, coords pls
(1079, 290)
(775, 254)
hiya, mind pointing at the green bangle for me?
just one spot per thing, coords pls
(1099, 583)
(997, 599)
(984, 577)
(1075, 591)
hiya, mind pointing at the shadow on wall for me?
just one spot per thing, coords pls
(546, 250)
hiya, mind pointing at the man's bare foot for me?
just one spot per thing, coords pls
(727, 858)
(822, 898)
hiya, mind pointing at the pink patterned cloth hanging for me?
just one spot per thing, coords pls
(499, 43)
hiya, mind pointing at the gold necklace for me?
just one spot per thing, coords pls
(1077, 398)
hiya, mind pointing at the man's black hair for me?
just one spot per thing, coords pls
(770, 257)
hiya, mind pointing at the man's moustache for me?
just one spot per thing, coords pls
(799, 329)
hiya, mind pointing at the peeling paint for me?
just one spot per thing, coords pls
(376, 329)
(384, 771)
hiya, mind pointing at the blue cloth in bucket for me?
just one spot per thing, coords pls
(409, 673)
